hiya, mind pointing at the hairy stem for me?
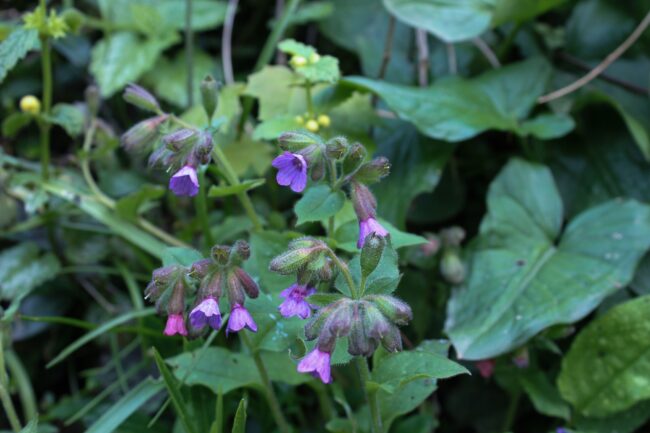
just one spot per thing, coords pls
(371, 396)
(346, 273)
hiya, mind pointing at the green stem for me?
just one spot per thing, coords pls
(10, 410)
(46, 65)
(189, 54)
(273, 401)
(334, 185)
(512, 411)
(202, 210)
(24, 385)
(371, 396)
(310, 102)
(346, 273)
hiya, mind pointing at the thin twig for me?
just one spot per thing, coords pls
(451, 59)
(388, 47)
(601, 67)
(226, 42)
(422, 42)
(487, 52)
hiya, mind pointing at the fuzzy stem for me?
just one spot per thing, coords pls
(346, 273)
(371, 396)
(273, 401)
(202, 210)
(335, 186)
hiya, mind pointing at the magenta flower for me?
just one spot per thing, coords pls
(185, 181)
(368, 226)
(486, 367)
(175, 325)
(295, 303)
(292, 171)
(318, 364)
(206, 313)
(239, 319)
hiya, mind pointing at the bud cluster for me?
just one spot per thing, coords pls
(207, 279)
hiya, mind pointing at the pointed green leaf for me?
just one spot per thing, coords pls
(318, 204)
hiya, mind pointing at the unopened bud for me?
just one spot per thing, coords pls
(176, 304)
(392, 341)
(152, 291)
(177, 140)
(312, 125)
(141, 98)
(142, 134)
(451, 267)
(354, 158)
(324, 120)
(212, 285)
(359, 342)
(301, 252)
(315, 325)
(220, 254)
(364, 202)
(250, 286)
(373, 248)
(235, 290)
(395, 310)
(377, 324)
(93, 100)
(373, 171)
(30, 104)
(203, 148)
(521, 358)
(209, 95)
(336, 147)
(294, 141)
(200, 268)
(239, 252)
(452, 236)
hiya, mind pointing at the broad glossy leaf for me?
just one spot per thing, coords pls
(525, 277)
(521, 10)
(23, 268)
(318, 203)
(455, 109)
(15, 47)
(123, 57)
(451, 21)
(607, 369)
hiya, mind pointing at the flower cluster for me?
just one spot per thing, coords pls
(207, 279)
(181, 150)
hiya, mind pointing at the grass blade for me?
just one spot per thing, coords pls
(174, 392)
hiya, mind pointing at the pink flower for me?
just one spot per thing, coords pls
(175, 325)
(292, 171)
(368, 226)
(185, 181)
(318, 364)
(486, 367)
(206, 313)
(239, 319)
(295, 303)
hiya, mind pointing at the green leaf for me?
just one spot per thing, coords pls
(247, 155)
(544, 396)
(276, 333)
(453, 21)
(271, 129)
(123, 57)
(174, 392)
(180, 256)
(325, 69)
(456, 109)
(524, 277)
(225, 191)
(383, 280)
(15, 47)
(68, 117)
(23, 268)
(547, 126)
(14, 123)
(239, 424)
(609, 358)
(31, 427)
(627, 421)
(323, 299)
(119, 412)
(521, 10)
(318, 204)
(275, 88)
(265, 246)
(132, 205)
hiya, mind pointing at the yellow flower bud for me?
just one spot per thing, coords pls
(299, 120)
(314, 58)
(30, 104)
(324, 120)
(312, 125)
(297, 61)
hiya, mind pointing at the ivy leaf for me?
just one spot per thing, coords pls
(180, 256)
(453, 21)
(132, 205)
(318, 204)
(524, 277)
(610, 357)
(15, 47)
(123, 57)
(69, 117)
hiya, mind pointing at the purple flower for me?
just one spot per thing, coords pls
(295, 304)
(185, 182)
(239, 319)
(175, 325)
(367, 226)
(292, 171)
(318, 364)
(206, 313)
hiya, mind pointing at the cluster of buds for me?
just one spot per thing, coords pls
(182, 150)
(207, 280)
(451, 265)
(313, 124)
(298, 61)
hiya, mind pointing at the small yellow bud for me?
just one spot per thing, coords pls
(298, 61)
(30, 104)
(324, 120)
(312, 125)
(314, 58)
(299, 120)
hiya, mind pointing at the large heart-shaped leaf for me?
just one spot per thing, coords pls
(607, 369)
(525, 277)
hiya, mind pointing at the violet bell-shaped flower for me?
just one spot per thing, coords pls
(206, 313)
(185, 182)
(292, 171)
(175, 325)
(239, 319)
(317, 363)
(295, 303)
(368, 226)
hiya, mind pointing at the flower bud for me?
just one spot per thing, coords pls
(363, 201)
(177, 140)
(298, 61)
(30, 104)
(354, 158)
(209, 95)
(371, 252)
(220, 254)
(141, 98)
(152, 291)
(312, 125)
(395, 310)
(336, 147)
(392, 341)
(301, 252)
(239, 252)
(162, 276)
(373, 171)
(452, 236)
(200, 268)
(294, 141)
(249, 285)
(315, 325)
(377, 324)
(212, 285)
(93, 100)
(339, 322)
(235, 290)
(324, 120)
(451, 267)
(176, 304)
(360, 343)
(142, 134)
